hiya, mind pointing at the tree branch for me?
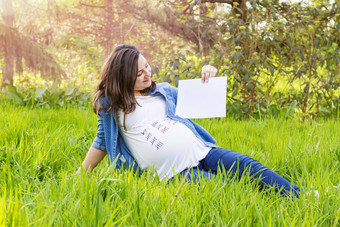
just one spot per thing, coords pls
(92, 6)
(218, 1)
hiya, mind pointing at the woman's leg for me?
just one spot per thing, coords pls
(195, 174)
(239, 163)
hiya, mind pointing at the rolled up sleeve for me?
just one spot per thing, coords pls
(99, 140)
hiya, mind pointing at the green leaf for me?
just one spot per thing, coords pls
(237, 55)
(278, 47)
(250, 85)
(291, 109)
(13, 94)
(260, 91)
(40, 92)
(237, 79)
(272, 70)
(293, 50)
(273, 110)
(175, 64)
(70, 92)
(176, 80)
(181, 56)
(167, 79)
(316, 42)
(246, 78)
(243, 70)
(251, 62)
(234, 93)
(265, 64)
(302, 53)
(324, 110)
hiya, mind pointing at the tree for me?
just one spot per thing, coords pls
(16, 48)
(256, 38)
(8, 18)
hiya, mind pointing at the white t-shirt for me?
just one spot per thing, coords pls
(158, 141)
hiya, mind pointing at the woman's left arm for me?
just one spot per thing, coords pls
(207, 72)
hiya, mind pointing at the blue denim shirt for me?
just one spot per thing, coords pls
(109, 139)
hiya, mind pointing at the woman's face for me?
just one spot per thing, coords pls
(143, 76)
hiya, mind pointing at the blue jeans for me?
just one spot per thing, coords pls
(240, 164)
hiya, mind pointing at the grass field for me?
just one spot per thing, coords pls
(40, 151)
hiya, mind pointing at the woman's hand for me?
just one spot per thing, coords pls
(207, 72)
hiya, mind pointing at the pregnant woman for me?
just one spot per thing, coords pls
(137, 126)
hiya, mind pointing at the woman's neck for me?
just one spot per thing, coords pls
(138, 93)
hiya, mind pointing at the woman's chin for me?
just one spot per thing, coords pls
(148, 83)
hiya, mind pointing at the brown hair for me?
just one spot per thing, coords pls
(117, 80)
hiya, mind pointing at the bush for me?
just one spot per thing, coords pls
(48, 96)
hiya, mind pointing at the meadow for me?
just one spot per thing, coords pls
(41, 150)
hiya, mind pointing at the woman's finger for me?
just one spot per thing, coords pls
(206, 77)
(207, 72)
(204, 74)
(213, 72)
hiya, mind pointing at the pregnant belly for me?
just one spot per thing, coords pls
(165, 146)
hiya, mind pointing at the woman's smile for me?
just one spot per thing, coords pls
(143, 79)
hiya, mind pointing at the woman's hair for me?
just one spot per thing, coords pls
(117, 80)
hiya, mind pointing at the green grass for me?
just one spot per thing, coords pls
(40, 150)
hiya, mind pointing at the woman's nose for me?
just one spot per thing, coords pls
(148, 73)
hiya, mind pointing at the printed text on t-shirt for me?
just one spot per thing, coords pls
(160, 127)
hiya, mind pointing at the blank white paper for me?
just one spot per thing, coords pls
(202, 100)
